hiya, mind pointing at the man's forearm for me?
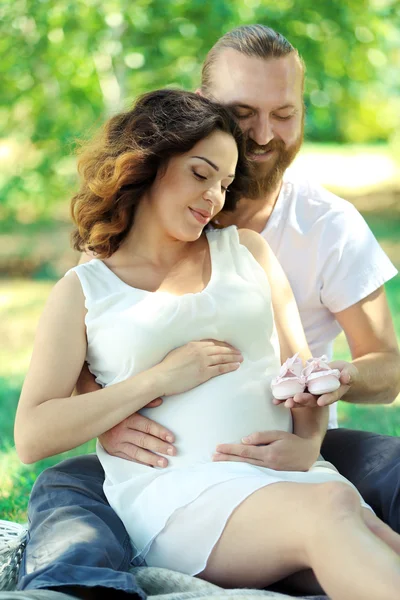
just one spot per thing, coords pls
(378, 380)
(311, 423)
(86, 382)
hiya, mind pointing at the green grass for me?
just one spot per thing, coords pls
(21, 301)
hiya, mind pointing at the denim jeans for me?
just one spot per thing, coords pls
(372, 462)
(76, 539)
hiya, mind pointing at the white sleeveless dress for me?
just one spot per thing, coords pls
(175, 516)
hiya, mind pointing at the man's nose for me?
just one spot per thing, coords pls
(261, 132)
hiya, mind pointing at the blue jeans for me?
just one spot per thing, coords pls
(76, 539)
(372, 462)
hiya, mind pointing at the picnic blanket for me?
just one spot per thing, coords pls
(162, 584)
(158, 584)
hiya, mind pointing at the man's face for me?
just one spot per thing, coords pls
(266, 96)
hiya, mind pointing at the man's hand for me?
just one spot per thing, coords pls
(137, 438)
(277, 450)
(348, 376)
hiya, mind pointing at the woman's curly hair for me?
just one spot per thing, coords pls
(122, 162)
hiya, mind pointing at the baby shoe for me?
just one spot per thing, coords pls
(319, 377)
(290, 380)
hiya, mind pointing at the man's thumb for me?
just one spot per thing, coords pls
(263, 437)
(345, 377)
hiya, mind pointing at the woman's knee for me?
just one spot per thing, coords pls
(337, 491)
(336, 499)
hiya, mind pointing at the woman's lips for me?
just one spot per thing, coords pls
(200, 216)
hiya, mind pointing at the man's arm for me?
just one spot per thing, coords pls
(136, 438)
(373, 376)
(369, 330)
(354, 269)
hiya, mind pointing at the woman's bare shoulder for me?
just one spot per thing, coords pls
(66, 296)
(256, 244)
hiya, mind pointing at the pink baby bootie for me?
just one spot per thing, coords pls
(290, 380)
(319, 377)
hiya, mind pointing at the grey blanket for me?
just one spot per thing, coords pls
(162, 584)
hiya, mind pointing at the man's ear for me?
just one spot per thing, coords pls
(199, 92)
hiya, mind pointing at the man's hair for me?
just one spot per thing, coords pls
(252, 40)
(121, 163)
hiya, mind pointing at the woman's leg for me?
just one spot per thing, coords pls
(289, 527)
(381, 530)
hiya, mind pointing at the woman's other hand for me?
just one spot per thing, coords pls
(195, 363)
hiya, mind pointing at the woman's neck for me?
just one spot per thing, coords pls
(148, 241)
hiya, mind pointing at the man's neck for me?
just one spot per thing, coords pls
(252, 214)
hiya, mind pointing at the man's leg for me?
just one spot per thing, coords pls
(372, 463)
(77, 544)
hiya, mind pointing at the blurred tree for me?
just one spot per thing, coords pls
(66, 64)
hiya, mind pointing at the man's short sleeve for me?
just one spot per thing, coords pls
(353, 265)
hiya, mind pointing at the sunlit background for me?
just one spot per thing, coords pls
(66, 65)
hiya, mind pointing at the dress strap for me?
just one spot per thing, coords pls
(224, 245)
(97, 280)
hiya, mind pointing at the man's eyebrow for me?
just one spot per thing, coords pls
(239, 105)
(214, 166)
(285, 106)
(247, 106)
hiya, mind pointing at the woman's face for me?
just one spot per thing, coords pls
(192, 188)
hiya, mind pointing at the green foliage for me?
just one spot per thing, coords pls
(68, 64)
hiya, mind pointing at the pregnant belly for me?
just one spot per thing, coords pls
(222, 410)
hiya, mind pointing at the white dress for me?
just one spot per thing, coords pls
(175, 516)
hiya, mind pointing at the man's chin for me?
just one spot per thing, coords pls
(267, 176)
(265, 183)
(263, 169)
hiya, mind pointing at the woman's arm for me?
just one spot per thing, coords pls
(49, 420)
(310, 423)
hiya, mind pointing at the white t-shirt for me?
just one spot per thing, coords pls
(329, 254)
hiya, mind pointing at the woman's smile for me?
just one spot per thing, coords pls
(202, 216)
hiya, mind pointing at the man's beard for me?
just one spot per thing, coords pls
(266, 176)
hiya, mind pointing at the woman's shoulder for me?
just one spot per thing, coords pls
(255, 244)
(66, 298)
(88, 266)
(233, 240)
(69, 285)
(96, 280)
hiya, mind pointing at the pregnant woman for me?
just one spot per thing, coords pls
(203, 318)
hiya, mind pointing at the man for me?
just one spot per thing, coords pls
(337, 272)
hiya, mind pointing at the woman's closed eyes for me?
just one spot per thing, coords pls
(204, 178)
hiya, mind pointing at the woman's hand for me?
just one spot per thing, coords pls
(191, 365)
